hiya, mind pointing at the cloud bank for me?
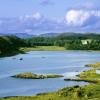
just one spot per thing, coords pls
(74, 21)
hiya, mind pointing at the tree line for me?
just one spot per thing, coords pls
(69, 42)
(11, 44)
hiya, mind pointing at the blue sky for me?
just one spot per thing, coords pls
(40, 16)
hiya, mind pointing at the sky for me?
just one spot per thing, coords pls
(45, 16)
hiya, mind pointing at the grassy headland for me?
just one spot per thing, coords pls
(87, 76)
(35, 76)
(90, 75)
(89, 92)
(95, 65)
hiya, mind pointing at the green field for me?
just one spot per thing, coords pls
(42, 48)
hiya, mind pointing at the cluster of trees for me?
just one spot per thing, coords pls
(40, 41)
(78, 45)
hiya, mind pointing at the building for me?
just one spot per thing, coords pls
(85, 42)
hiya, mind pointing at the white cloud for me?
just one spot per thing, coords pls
(81, 17)
(76, 18)
(34, 16)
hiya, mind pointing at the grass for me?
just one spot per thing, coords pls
(89, 92)
(43, 48)
(95, 65)
(35, 76)
(90, 76)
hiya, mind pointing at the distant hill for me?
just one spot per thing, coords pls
(65, 34)
(73, 35)
(49, 35)
(20, 35)
(59, 35)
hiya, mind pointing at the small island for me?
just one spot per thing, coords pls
(30, 75)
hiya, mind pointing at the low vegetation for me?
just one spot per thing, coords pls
(42, 48)
(90, 75)
(87, 76)
(89, 92)
(35, 76)
(96, 65)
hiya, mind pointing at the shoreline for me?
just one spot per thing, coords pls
(88, 76)
(85, 75)
(67, 91)
(28, 49)
(40, 48)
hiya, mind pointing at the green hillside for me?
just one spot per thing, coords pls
(10, 45)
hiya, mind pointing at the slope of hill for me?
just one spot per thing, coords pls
(49, 35)
(9, 45)
(72, 35)
(20, 35)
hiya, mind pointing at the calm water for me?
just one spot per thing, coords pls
(68, 63)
